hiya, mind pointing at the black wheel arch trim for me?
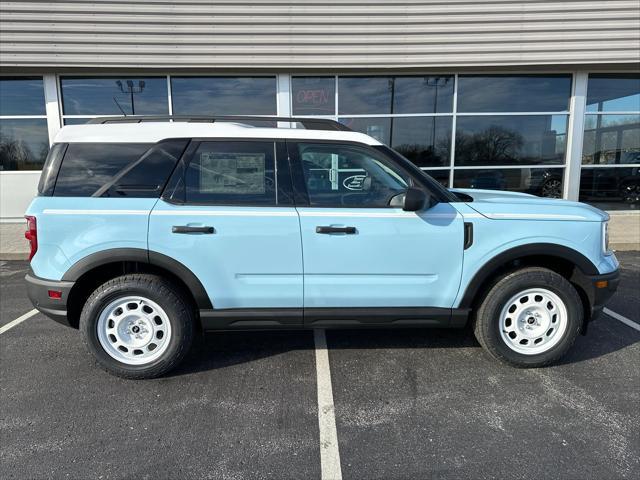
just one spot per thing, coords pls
(140, 255)
(533, 249)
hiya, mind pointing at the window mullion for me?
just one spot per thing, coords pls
(51, 104)
(575, 135)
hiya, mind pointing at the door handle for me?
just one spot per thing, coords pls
(188, 229)
(329, 230)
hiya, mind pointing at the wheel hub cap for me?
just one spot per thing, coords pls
(533, 321)
(134, 330)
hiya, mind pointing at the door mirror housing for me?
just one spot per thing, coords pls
(415, 199)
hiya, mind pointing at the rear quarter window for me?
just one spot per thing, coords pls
(117, 169)
(50, 169)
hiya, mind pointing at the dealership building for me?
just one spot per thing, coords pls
(531, 96)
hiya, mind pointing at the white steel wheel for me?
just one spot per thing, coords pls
(134, 330)
(533, 321)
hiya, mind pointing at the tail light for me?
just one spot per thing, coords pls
(32, 235)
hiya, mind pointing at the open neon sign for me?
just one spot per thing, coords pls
(317, 97)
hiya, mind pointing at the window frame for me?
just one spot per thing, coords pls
(19, 117)
(282, 175)
(592, 168)
(86, 116)
(174, 93)
(301, 193)
(68, 149)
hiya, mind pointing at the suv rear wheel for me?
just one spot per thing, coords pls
(529, 318)
(137, 326)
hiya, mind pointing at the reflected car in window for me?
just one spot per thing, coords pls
(611, 185)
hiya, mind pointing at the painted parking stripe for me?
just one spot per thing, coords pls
(620, 318)
(17, 321)
(329, 452)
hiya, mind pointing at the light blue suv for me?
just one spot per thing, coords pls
(146, 232)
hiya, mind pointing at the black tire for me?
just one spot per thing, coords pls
(487, 326)
(159, 290)
(552, 188)
(630, 193)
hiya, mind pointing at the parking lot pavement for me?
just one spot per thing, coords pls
(243, 406)
(408, 404)
(13, 293)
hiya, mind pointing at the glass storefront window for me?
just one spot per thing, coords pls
(24, 143)
(75, 121)
(114, 96)
(376, 127)
(613, 93)
(441, 176)
(536, 181)
(514, 93)
(313, 95)
(223, 95)
(22, 96)
(611, 188)
(510, 140)
(423, 94)
(364, 95)
(395, 95)
(426, 141)
(611, 140)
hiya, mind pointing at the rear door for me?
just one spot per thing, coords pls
(360, 250)
(228, 215)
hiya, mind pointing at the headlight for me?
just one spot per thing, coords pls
(605, 237)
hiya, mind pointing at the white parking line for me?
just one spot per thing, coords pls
(625, 320)
(329, 452)
(18, 320)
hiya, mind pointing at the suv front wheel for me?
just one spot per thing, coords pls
(529, 318)
(137, 326)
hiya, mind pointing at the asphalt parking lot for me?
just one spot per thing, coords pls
(407, 404)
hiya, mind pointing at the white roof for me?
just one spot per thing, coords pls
(152, 132)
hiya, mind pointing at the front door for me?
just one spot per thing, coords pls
(228, 215)
(360, 248)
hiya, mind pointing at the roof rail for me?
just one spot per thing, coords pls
(307, 123)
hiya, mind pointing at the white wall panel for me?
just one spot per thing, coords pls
(17, 189)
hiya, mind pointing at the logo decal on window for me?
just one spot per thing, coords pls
(354, 182)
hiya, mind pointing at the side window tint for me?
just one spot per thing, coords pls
(232, 173)
(87, 167)
(50, 170)
(349, 176)
(146, 176)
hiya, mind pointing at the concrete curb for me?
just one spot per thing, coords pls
(13, 256)
(625, 247)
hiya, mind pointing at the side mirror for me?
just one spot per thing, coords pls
(415, 199)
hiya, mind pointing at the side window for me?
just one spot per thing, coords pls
(86, 167)
(117, 169)
(349, 176)
(232, 173)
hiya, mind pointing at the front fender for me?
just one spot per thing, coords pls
(497, 242)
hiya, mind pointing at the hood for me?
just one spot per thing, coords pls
(501, 205)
